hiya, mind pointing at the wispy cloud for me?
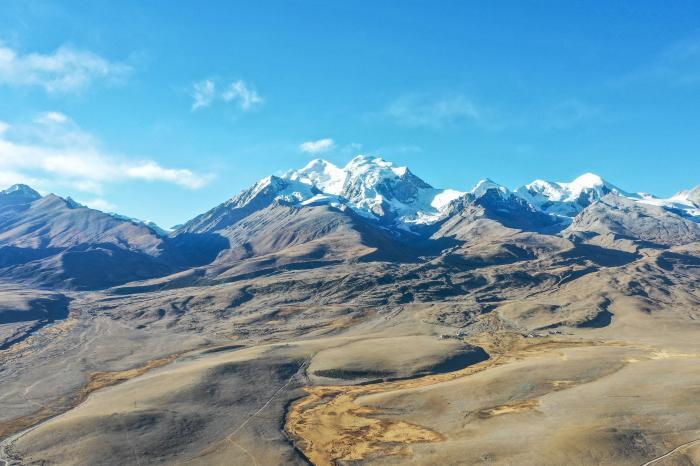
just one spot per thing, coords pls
(569, 113)
(100, 204)
(64, 70)
(415, 110)
(52, 150)
(241, 94)
(317, 147)
(204, 93)
(678, 65)
(151, 171)
(9, 178)
(52, 117)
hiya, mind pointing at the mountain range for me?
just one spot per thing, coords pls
(354, 315)
(319, 214)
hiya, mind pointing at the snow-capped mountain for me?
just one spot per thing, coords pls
(488, 199)
(692, 196)
(376, 188)
(262, 194)
(367, 205)
(685, 203)
(370, 186)
(567, 199)
(485, 185)
(18, 194)
(630, 218)
(322, 174)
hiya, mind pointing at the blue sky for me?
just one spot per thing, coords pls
(161, 110)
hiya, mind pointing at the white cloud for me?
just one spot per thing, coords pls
(52, 117)
(151, 171)
(443, 112)
(203, 93)
(54, 151)
(416, 111)
(316, 147)
(569, 113)
(100, 204)
(239, 92)
(9, 178)
(63, 71)
(677, 65)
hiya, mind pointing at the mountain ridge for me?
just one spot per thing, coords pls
(378, 189)
(369, 209)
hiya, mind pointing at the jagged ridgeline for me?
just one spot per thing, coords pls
(354, 315)
(321, 214)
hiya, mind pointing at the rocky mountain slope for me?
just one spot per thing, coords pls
(318, 214)
(354, 315)
(56, 242)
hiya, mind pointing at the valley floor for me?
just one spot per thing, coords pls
(587, 396)
(563, 359)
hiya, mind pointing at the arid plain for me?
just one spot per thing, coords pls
(312, 377)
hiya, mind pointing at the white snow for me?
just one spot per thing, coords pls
(484, 185)
(563, 198)
(443, 198)
(322, 174)
(679, 202)
(585, 181)
(375, 188)
(362, 185)
(22, 188)
(567, 191)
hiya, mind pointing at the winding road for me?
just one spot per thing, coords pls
(675, 450)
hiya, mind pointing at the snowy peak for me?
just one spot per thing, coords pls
(273, 188)
(590, 182)
(360, 175)
(18, 194)
(571, 191)
(21, 189)
(321, 174)
(543, 189)
(486, 185)
(371, 181)
(376, 188)
(262, 194)
(567, 199)
(685, 203)
(490, 200)
(364, 164)
(394, 197)
(691, 196)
